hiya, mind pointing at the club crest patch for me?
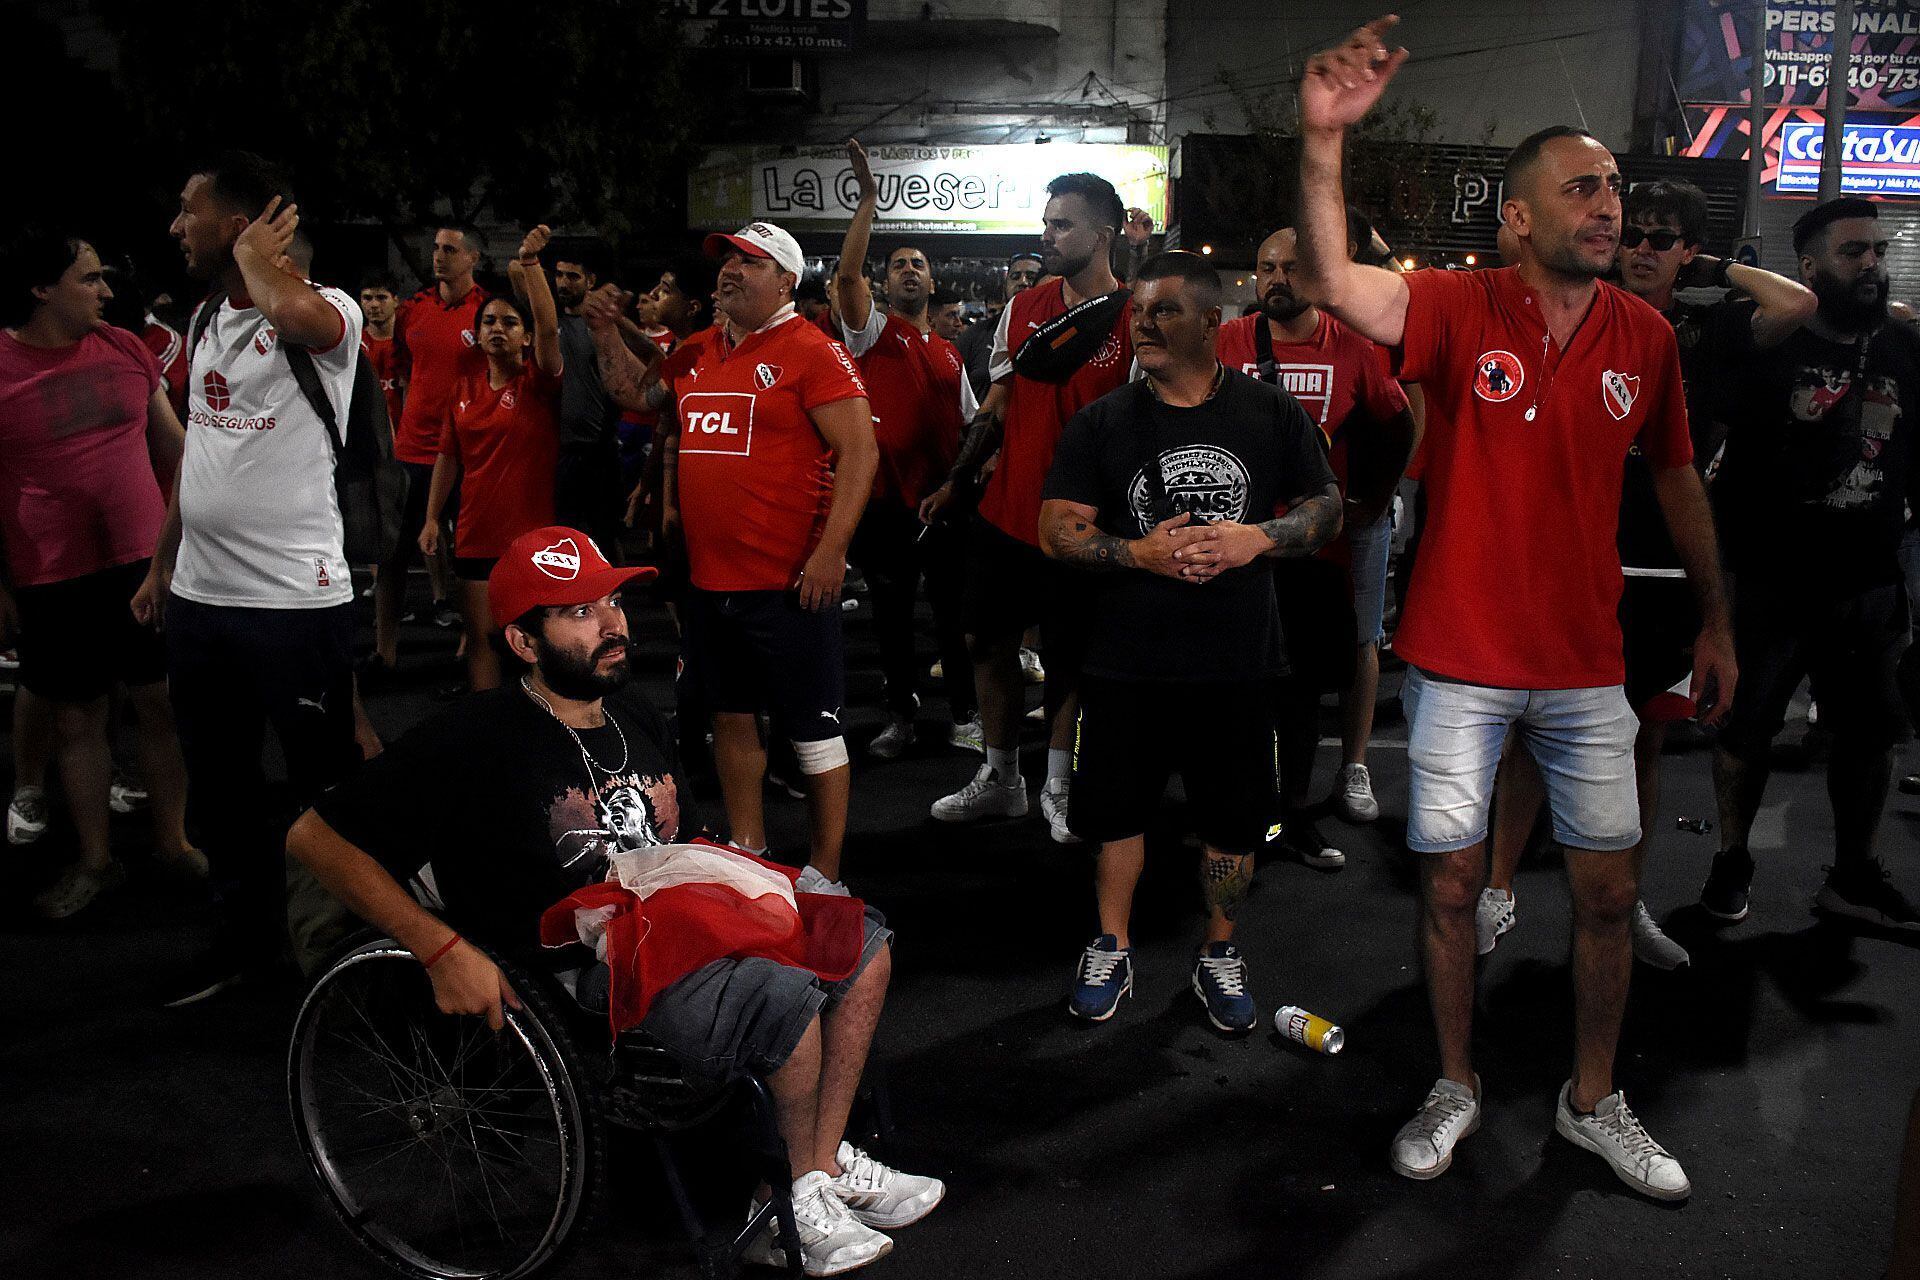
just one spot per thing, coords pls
(766, 375)
(1618, 391)
(561, 561)
(1497, 376)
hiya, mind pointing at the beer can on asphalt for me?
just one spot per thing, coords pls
(1309, 1029)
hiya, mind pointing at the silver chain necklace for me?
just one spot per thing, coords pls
(585, 755)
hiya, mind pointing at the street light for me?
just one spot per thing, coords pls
(1206, 248)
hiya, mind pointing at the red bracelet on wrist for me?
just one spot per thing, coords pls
(439, 955)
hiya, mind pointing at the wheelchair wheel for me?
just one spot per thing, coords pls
(448, 1150)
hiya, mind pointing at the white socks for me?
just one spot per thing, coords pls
(1059, 763)
(1005, 765)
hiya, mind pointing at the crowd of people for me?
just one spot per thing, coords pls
(1194, 514)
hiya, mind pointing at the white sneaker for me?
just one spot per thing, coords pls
(1053, 807)
(1651, 946)
(813, 880)
(1616, 1133)
(938, 671)
(1039, 714)
(1030, 669)
(985, 797)
(124, 795)
(1491, 918)
(832, 1240)
(1424, 1146)
(883, 1197)
(892, 742)
(27, 816)
(1356, 794)
(968, 736)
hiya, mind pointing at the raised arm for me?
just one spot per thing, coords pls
(626, 374)
(546, 317)
(855, 295)
(1340, 86)
(1781, 305)
(291, 305)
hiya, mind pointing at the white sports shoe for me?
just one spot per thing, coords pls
(967, 736)
(1651, 946)
(1616, 1133)
(985, 797)
(1053, 807)
(27, 816)
(938, 671)
(1491, 918)
(880, 1196)
(1424, 1146)
(1030, 669)
(1356, 794)
(125, 795)
(813, 880)
(832, 1240)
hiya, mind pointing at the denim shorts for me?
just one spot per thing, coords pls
(1372, 547)
(1582, 740)
(737, 1016)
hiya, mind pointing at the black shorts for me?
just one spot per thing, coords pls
(414, 516)
(1849, 647)
(474, 568)
(1011, 586)
(1220, 737)
(1659, 622)
(1317, 621)
(752, 651)
(78, 637)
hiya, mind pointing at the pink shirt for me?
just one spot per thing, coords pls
(77, 491)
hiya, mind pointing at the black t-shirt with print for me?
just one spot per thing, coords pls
(1813, 488)
(1242, 456)
(494, 793)
(1715, 341)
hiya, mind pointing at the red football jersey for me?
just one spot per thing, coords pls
(385, 359)
(508, 442)
(170, 353)
(913, 385)
(1518, 580)
(755, 475)
(1036, 411)
(437, 353)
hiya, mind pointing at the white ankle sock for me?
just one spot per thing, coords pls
(1006, 764)
(1059, 763)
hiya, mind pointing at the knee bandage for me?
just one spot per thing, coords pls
(823, 756)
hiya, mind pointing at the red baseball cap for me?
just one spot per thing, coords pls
(554, 566)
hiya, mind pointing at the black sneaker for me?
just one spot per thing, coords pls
(1863, 892)
(445, 616)
(374, 672)
(1910, 785)
(1301, 837)
(210, 973)
(1724, 896)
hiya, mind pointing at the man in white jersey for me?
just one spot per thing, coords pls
(250, 572)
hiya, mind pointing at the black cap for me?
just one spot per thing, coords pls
(1026, 257)
(1817, 219)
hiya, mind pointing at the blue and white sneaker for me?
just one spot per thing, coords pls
(1106, 974)
(1220, 980)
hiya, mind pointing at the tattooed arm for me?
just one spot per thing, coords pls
(1311, 521)
(1068, 534)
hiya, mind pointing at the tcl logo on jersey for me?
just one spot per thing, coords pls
(263, 341)
(716, 422)
(1497, 376)
(1618, 392)
(216, 388)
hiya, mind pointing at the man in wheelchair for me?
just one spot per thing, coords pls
(518, 796)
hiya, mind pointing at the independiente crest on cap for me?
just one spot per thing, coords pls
(561, 561)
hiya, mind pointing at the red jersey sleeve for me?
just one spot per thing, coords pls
(1435, 299)
(402, 357)
(1664, 437)
(1380, 393)
(831, 377)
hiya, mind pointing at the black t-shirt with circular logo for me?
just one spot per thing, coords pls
(1243, 455)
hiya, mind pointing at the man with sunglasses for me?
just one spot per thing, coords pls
(1813, 495)
(1664, 224)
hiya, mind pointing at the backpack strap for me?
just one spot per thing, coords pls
(1263, 352)
(300, 360)
(201, 319)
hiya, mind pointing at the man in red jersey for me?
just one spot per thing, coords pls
(1342, 381)
(380, 303)
(776, 460)
(435, 350)
(920, 395)
(1542, 377)
(1011, 584)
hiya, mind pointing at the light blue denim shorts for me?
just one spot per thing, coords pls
(1372, 545)
(1582, 740)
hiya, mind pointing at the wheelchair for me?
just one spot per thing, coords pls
(450, 1151)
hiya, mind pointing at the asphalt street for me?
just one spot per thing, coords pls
(1778, 1067)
